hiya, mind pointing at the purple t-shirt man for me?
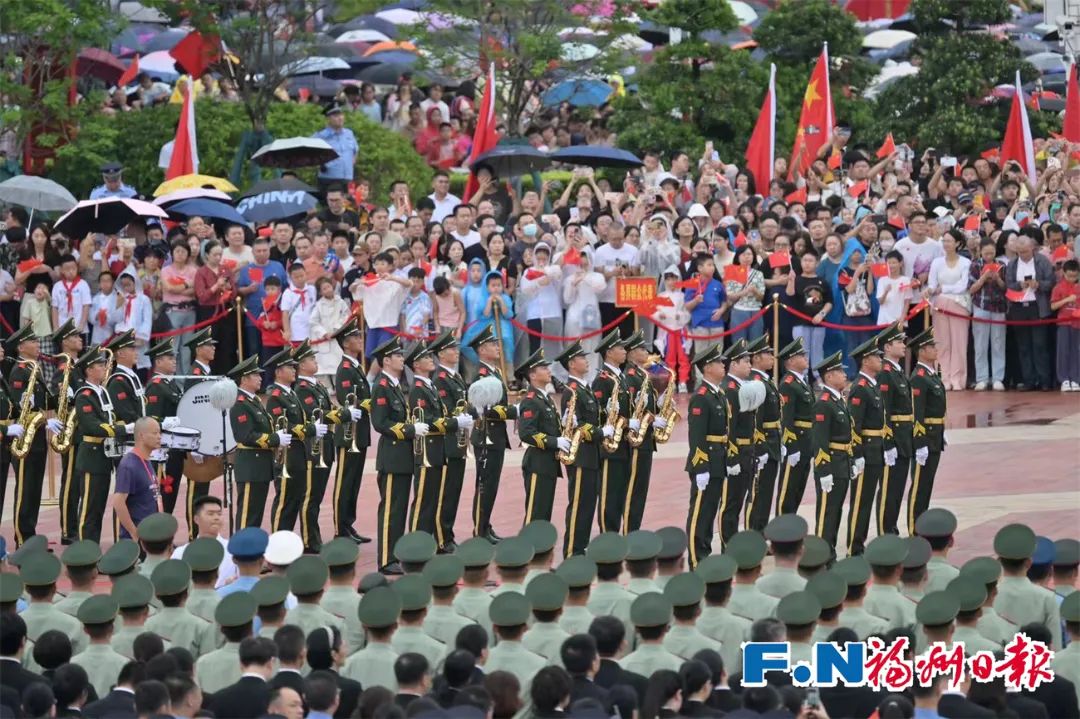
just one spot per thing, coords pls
(135, 477)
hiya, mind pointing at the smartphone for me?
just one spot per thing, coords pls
(878, 220)
(575, 214)
(549, 220)
(948, 161)
(813, 698)
(1053, 164)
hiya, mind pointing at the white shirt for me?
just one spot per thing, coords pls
(918, 256)
(427, 104)
(227, 571)
(80, 297)
(1026, 271)
(298, 304)
(382, 302)
(99, 332)
(444, 207)
(607, 257)
(952, 280)
(544, 301)
(470, 239)
(244, 257)
(890, 308)
(140, 319)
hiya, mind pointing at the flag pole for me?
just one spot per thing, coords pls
(239, 328)
(776, 335)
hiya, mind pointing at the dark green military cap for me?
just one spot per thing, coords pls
(414, 592)
(685, 590)
(611, 339)
(33, 545)
(284, 358)
(509, 609)
(642, 544)
(673, 542)
(1014, 541)
(936, 522)
(541, 533)
(816, 552)
(761, 344)
(786, 528)
(415, 547)
(738, 349)
(171, 577)
(235, 610)
(713, 354)
(205, 336)
(937, 608)
(970, 593)
(63, 332)
(120, 558)
(868, 348)
(1070, 608)
(791, 349)
(513, 552)
(91, 356)
(419, 350)
(924, 338)
(161, 349)
(536, 359)
(651, 609)
(486, 335)
(249, 365)
(830, 588)
(158, 527)
(133, 591)
(747, 548)
(444, 570)
(42, 570)
(716, 568)
(607, 548)
(98, 609)
(573, 350)
(370, 581)
(1066, 552)
(577, 571)
(635, 340)
(982, 569)
(121, 340)
(23, 334)
(854, 570)
(340, 552)
(886, 550)
(918, 554)
(547, 592)
(271, 589)
(204, 554)
(832, 362)
(379, 608)
(445, 341)
(391, 347)
(799, 608)
(475, 552)
(307, 575)
(303, 351)
(82, 553)
(890, 334)
(11, 587)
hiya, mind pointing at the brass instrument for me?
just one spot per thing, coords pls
(30, 419)
(667, 410)
(282, 425)
(571, 431)
(611, 444)
(462, 407)
(349, 432)
(317, 443)
(641, 413)
(61, 443)
(110, 362)
(419, 445)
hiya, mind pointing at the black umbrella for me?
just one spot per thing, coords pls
(315, 84)
(367, 22)
(513, 160)
(384, 73)
(280, 184)
(596, 156)
(294, 152)
(107, 216)
(276, 205)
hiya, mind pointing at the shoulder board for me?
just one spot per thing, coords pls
(789, 379)
(732, 384)
(702, 390)
(275, 393)
(419, 384)
(825, 396)
(346, 363)
(604, 373)
(23, 364)
(442, 374)
(862, 382)
(573, 385)
(632, 372)
(87, 392)
(156, 380)
(531, 395)
(921, 372)
(240, 396)
(884, 388)
(483, 372)
(383, 382)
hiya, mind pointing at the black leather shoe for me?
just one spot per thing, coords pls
(357, 537)
(448, 548)
(392, 569)
(492, 537)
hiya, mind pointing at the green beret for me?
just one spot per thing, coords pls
(673, 542)
(235, 610)
(444, 570)
(799, 608)
(371, 580)
(1066, 553)
(158, 527)
(414, 592)
(415, 547)
(204, 554)
(475, 552)
(918, 554)
(98, 609)
(82, 553)
(133, 591)
(340, 552)
(641, 545)
(685, 590)
(786, 528)
(982, 569)
(1014, 541)
(509, 609)
(120, 557)
(747, 548)
(854, 570)
(271, 589)
(547, 592)
(886, 550)
(970, 593)
(307, 575)
(11, 587)
(937, 608)
(651, 609)
(815, 554)
(42, 571)
(607, 548)
(541, 533)
(936, 522)
(578, 571)
(830, 588)
(1070, 608)
(171, 577)
(379, 608)
(513, 552)
(716, 568)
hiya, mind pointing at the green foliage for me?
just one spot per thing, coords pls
(929, 14)
(694, 16)
(794, 31)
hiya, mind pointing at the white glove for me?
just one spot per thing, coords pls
(921, 455)
(635, 424)
(702, 481)
(733, 470)
(608, 431)
(15, 430)
(356, 414)
(320, 430)
(197, 458)
(564, 444)
(464, 421)
(129, 428)
(945, 438)
(762, 461)
(54, 425)
(170, 422)
(284, 439)
(659, 422)
(857, 467)
(890, 457)
(793, 458)
(826, 483)
(421, 429)
(515, 407)
(783, 451)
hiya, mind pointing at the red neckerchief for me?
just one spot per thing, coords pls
(70, 290)
(302, 293)
(129, 301)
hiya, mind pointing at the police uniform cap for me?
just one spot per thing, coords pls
(1070, 608)
(886, 550)
(832, 362)
(509, 609)
(64, 331)
(379, 607)
(673, 542)
(936, 522)
(475, 552)
(340, 552)
(747, 548)
(420, 350)
(610, 340)
(536, 359)
(854, 570)
(760, 345)
(651, 609)
(283, 547)
(786, 528)
(792, 349)
(578, 571)
(205, 554)
(1014, 541)
(98, 609)
(607, 548)
(43, 570)
(982, 569)
(247, 544)
(713, 354)
(1066, 552)
(924, 338)
(205, 336)
(123, 339)
(799, 608)
(119, 558)
(414, 591)
(249, 366)
(24, 333)
(866, 349)
(161, 349)
(685, 590)
(158, 527)
(82, 553)
(334, 109)
(918, 554)
(235, 610)
(541, 533)
(716, 568)
(970, 593)
(270, 590)
(415, 547)
(444, 570)
(371, 580)
(486, 335)
(642, 544)
(1044, 551)
(816, 552)
(574, 350)
(547, 592)
(514, 552)
(11, 587)
(635, 340)
(307, 575)
(32, 546)
(171, 577)
(284, 358)
(737, 350)
(829, 587)
(937, 608)
(112, 168)
(133, 591)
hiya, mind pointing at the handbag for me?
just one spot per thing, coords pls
(857, 303)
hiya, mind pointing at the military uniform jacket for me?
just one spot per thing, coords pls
(373, 665)
(767, 431)
(899, 414)
(162, 397)
(424, 396)
(539, 429)
(75, 381)
(127, 394)
(255, 435)
(350, 379)
(707, 420)
(867, 420)
(7, 411)
(312, 396)
(102, 664)
(95, 423)
(587, 413)
(184, 629)
(830, 438)
(389, 417)
(20, 382)
(199, 370)
(607, 383)
(495, 418)
(283, 402)
(451, 388)
(743, 424)
(796, 412)
(637, 381)
(343, 602)
(928, 397)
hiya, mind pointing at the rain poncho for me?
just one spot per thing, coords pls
(656, 254)
(476, 296)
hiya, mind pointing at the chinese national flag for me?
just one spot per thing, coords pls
(130, 74)
(879, 269)
(1017, 144)
(816, 119)
(736, 273)
(1071, 125)
(859, 188)
(898, 222)
(485, 137)
(971, 223)
(185, 156)
(760, 151)
(887, 148)
(798, 196)
(779, 259)
(835, 160)
(1014, 295)
(740, 239)
(196, 52)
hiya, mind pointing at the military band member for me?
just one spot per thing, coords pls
(540, 432)
(125, 388)
(9, 430)
(899, 420)
(162, 398)
(830, 444)
(641, 457)
(313, 396)
(868, 434)
(293, 482)
(928, 435)
(707, 424)
(767, 436)
(452, 391)
(615, 465)
(796, 417)
(583, 473)
(352, 454)
(394, 461)
(70, 343)
(256, 437)
(203, 348)
(741, 451)
(490, 444)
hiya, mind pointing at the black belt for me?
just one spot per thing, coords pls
(179, 306)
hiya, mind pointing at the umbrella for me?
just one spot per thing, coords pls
(102, 64)
(315, 84)
(276, 205)
(1051, 104)
(133, 39)
(595, 156)
(36, 193)
(294, 152)
(280, 184)
(369, 22)
(579, 92)
(390, 45)
(107, 216)
(513, 160)
(187, 182)
(744, 12)
(159, 64)
(400, 16)
(578, 51)
(362, 35)
(190, 194)
(384, 73)
(312, 65)
(211, 209)
(1048, 62)
(137, 12)
(167, 40)
(886, 39)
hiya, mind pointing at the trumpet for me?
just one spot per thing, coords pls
(462, 407)
(419, 443)
(349, 432)
(282, 457)
(317, 443)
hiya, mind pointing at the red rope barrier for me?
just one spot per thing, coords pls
(7, 327)
(848, 328)
(749, 321)
(191, 328)
(1014, 323)
(557, 338)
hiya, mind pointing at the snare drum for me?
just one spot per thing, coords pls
(183, 438)
(159, 455)
(114, 449)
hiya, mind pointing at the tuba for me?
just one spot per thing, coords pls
(61, 443)
(668, 410)
(611, 444)
(571, 431)
(30, 419)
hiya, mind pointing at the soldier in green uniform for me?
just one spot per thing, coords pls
(928, 434)
(472, 600)
(163, 395)
(748, 549)
(340, 597)
(900, 422)
(608, 595)
(1066, 566)
(9, 429)
(816, 556)
(913, 578)
(785, 534)
(491, 439)
(413, 550)
(540, 431)
(204, 556)
(1019, 601)
(936, 617)
(796, 418)
(579, 573)
(1066, 663)
(70, 344)
(27, 376)
(886, 554)
(651, 615)
(352, 437)
(80, 564)
(799, 611)
(119, 560)
(542, 535)
(452, 392)
(512, 557)
(101, 662)
(173, 622)
(868, 451)
(203, 347)
(373, 665)
(612, 390)
(256, 437)
(642, 549)
(442, 621)
(671, 561)
(854, 616)
(133, 595)
(220, 668)
(707, 457)
(937, 526)
(830, 589)
(759, 499)
(583, 472)
(831, 447)
(39, 573)
(742, 467)
(683, 638)
(415, 594)
(716, 621)
(510, 615)
(282, 402)
(972, 596)
(307, 579)
(390, 418)
(987, 571)
(641, 457)
(313, 396)
(547, 595)
(156, 534)
(270, 594)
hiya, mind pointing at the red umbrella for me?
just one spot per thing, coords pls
(100, 64)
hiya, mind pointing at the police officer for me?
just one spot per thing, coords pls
(452, 391)
(830, 444)
(256, 437)
(900, 418)
(582, 473)
(928, 439)
(868, 451)
(162, 399)
(608, 550)
(641, 456)
(350, 381)
(706, 462)
(203, 347)
(540, 431)
(472, 600)
(70, 344)
(112, 183)
(283, 403)
(741, 439)
(313, 396)
(611, 390)
(766, 436)
(490, 442)
(796, 417)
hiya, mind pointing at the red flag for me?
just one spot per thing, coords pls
(835, 160)
(859, 188)
(1017, 144)
(740, 239)
(690, 284)
(879, 269)
(532, 274)
(798, 196)
(816, 119)
(1060, 254)
(1071, 125)
(129, 75)
(433, 251)
(1015, 295)
(897, 221)
(887, 148)
(779, 259)
(991, 154)
(762, 147)
(736, 273)
(971, 223)
(196, 52)
(185, 153)
(572, 256)
(876, 9)
(485, 136)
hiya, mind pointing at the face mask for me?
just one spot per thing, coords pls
(887, 244)
(529, 230)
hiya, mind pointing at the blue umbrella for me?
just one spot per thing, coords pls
(210, 209)
(579, 92)
(513, 160)
(166, 40)
(275, 205)
(596, 156)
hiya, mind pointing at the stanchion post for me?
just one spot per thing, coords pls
(496, 310)
(776, 336)
(239, 328)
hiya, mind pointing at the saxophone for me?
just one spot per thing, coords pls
(668, 411)
(61, 443)
(642, 414)
(571, 431)
(30, 419)
(611, 444)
